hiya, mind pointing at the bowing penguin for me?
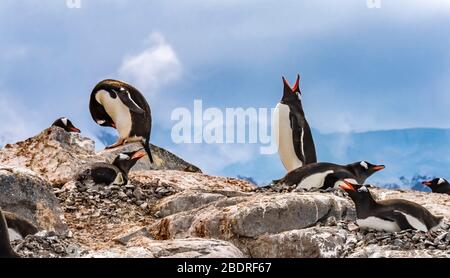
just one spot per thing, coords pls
(292, 132)
(115, 173)
(324, 175)
(388, 215)
(438, 185)
(66, 124)
(119, 105)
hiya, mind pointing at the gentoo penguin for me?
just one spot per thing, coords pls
(6, 250)
(115, 173)
(66, 124)
(291, 130)
(119, 105)
(324, 175)
(438, 185)
(388, 215)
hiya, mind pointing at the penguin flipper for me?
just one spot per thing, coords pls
(125, 97)
(6, 250)
(296, 137)
(400, 219)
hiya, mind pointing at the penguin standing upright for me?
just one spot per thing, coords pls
(115, 173)
(438, 185)
(119, 105)
(391, 215)
(66, 124)
(6, 250)
(324, 175)
(292, 132)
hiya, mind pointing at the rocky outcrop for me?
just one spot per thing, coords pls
(253, 216)
(54, 154)
(142, 247)
(176, 211)
(58, 155)
(29, 196)
(163, 159)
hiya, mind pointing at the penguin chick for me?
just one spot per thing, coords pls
(6, 250)
(388, 215)
(66, 124)
(115, 173)
(438, 185)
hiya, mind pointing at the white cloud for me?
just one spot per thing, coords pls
(154, 67)
(14, 126)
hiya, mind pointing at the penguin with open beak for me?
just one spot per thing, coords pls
(291, 130)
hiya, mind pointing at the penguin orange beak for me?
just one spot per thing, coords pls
(378, 167)
(347, 186)
(139, 155)
(427, 183)
(296, 87)
(74, 129)
(113, 125)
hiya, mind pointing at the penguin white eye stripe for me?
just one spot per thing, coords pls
(129, 96)
(364, 164)
(100, 122)
(441, 181)
(363, 189)
(123, 156)
(64, 120)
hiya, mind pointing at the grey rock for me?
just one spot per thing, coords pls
(31, 197)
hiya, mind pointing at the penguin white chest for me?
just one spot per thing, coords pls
(315, 180)
(118, 112)
(378, 224)
(283, 137)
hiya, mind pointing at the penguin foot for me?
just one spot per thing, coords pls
(115, 145)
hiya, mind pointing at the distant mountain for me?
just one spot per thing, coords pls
(410, 154)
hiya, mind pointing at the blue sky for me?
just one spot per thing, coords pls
(362, 69)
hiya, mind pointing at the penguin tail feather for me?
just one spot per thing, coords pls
(146, 145)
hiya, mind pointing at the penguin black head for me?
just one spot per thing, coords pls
(357, 192)
(363, 169)
(125, 161)
(66, 124)
(436, 183)
(291, 93)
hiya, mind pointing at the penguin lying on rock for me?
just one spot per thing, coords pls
(438, 185)
(115, 173)
(66, 124)
(119, 105)
(388, 215)
(325, 175)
